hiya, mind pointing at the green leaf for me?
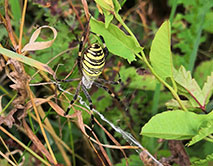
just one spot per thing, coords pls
(173, 104)
(160, 54)
(177, 124)
(205, 130)
(26, 60)
(208, 88)
(116, 40)
(189, 87)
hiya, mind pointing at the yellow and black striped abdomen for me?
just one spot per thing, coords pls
(93, 61)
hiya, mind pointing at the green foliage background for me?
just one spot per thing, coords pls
(191, 29)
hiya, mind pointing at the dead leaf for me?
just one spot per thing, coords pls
(37, 142)
(8, 120)
(60, 111)
(33, 45)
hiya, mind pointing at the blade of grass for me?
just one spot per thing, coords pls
(10, 161)
(72, 143)
(52, 133)
(5, 91)
(174, 7)
(193, 55)
(61, 142)
(156, 99)
(41, 126)
(8, 104)
(24, 146)
(26, 60)
(6, 147)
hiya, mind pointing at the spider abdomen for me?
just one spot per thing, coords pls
(93, 62)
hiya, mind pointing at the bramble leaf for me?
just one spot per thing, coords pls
(177, 124)
(160, 54)
(208, 88)
(189, 87)
(205, 130)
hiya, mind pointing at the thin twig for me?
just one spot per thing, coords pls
(41, 126)
(21, 26)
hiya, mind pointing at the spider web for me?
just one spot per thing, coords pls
(127, 136)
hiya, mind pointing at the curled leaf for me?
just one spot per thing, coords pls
(33, 45)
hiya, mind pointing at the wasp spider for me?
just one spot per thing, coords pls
(91, 62)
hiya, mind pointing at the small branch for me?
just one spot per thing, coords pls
(174, 93)
(8, 26)
(21, 26)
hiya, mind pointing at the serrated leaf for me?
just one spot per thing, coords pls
(116, 40)
(173, 104)
(177, 124)
(160, 54)
(208, 88)
(189, 87)
(205, 130)
(202, 161)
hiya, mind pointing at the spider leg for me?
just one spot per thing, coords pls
(84, 89)
(74, 98)
(111, 94)
(108, 91)
(111, 82)
(69, 80)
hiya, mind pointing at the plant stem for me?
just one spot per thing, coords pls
(118, 17)
(174, 93)
(21, 26)
(143, 58)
